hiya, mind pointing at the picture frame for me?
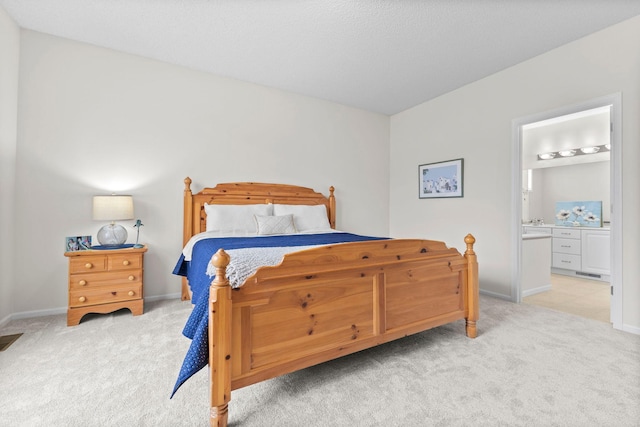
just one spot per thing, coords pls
(77, 243)
(579, 214)
(441, 179)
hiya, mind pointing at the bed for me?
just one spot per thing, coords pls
(318, 302)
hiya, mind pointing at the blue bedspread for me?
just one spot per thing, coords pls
(197, 326)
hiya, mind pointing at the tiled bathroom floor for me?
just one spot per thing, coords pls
(582, 297)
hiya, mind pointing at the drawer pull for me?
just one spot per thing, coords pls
(126, 262)
(565, 246)
(567, 262)
(82, 299)
(132, 278)
(82, 282)
(88, 265)
(131, 293)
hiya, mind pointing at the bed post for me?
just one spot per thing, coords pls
(220, 341)
(187, 230)
(332, 208)
(472, 287)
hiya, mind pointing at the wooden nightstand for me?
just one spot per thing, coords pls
(102, 281)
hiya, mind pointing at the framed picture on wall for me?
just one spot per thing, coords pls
(579, 214)
(441, 179)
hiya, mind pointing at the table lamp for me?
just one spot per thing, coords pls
(112, 208)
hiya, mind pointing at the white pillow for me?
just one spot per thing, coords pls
(305, 217)
(276, 224)
(235, 219)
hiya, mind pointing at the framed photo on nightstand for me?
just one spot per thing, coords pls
(77, 243)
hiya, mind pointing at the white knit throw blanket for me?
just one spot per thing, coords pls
(245, 262)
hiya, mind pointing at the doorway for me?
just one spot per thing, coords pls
(574, 295)
(613, 104)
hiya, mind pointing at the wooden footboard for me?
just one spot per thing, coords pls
(330, 301)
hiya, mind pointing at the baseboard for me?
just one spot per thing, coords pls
(631, 329)
(581, 275)
(63, 310)
(537, 290)
(496, 295)
(5, 321)
(38, 313)
(35, 313)
(162, 297)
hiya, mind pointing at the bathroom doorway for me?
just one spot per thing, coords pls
(534, 209)
(574, 295)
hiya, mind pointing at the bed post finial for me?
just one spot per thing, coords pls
(220, 261)
(332, 208)
(187, 230)
(220, 312)
(473, 291)
(469, 240)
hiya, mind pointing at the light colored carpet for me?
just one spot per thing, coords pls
(529, 366)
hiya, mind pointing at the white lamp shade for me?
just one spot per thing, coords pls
(112, 208)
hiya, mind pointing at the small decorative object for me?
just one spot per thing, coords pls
(112, 208)
(579, 214)
(77, 243)
(442, 179)
(137, 225)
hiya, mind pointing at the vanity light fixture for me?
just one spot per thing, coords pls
(567, 153)
(590, 150)
(574, 152)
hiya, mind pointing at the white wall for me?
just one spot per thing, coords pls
(92, 121)
(475, 122)
(586, 181)
(9, 58)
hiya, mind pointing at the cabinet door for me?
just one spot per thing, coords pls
(596, 251)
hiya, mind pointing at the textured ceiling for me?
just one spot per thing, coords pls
(382, 56)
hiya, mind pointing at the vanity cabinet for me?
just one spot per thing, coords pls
(582, 252)
(566, 249)
(596, 252)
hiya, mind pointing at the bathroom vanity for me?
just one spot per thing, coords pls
(577, 251)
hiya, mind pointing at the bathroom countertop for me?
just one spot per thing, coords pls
(606, 227)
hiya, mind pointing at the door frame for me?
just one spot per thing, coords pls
(615, 101)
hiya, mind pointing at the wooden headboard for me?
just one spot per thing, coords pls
(245, 193)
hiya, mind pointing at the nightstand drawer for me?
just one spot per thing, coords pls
(124, 261)
(88, 280)
(87, 264)
(566, 246)
(104, 295)
(566, 261)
